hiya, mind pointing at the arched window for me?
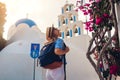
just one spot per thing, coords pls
(71, 19)
(63, 22)
(67, 8)
(67, 33)
(76, 30)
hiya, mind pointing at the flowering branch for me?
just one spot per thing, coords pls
(101, 21)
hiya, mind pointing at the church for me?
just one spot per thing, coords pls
(17, 63)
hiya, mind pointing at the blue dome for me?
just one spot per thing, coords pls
(27, 21)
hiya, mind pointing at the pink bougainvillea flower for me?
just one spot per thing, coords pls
(83, 10)
(85, 13)
(87, 24)
(87, 4)
(91, 17)
(89, 10)
(87, 28)
(90, 29)
(98, 20)
(113, 69)
(91, 21)
(114, 39)
(81, 7)
(76, 10)
(98, 1)
(90, 0)
(106, 15)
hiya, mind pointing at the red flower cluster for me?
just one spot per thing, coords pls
(98, 20)
(88, 10)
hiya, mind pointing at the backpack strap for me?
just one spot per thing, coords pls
(64, 58)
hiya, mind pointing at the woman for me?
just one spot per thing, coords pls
(53, 34)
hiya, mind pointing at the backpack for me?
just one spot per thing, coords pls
(48, 59)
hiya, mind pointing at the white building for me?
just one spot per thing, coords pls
(72, 31)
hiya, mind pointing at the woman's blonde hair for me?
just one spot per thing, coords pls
(50, 33)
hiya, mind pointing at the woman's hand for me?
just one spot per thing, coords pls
(67, 49)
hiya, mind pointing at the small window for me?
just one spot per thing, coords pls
(63, 21)
(71, 18)
(67, 34)
(66, 9)
(76, 30)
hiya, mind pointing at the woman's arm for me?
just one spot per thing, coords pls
(60, 51)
